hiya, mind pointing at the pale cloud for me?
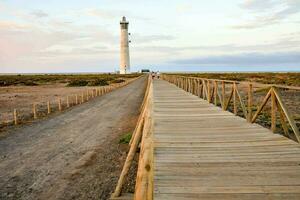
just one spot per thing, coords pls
(87, 34)
(10, 25)
(290, 42)
(141, 39)
(39, 14)
(183, 8)
(246, 59)
(102, 13)
(268, 12)
(112, 15)
(259, 5)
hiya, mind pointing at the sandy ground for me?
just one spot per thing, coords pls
(22, 98)
(72, 155)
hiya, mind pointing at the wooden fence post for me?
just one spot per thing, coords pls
(59, 104)
(34, 111)
(16, 117)
(82, 97)
(68, 103)
(48, 107)
(250, 91)
(76, 99)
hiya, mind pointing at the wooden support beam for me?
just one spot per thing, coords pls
(229, 99)
(287, 115)
(241, 102)
(262, 105)
(128, 160)
(282, 120)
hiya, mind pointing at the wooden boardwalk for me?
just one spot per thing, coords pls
(203, 152)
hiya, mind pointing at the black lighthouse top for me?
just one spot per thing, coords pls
(124, 23)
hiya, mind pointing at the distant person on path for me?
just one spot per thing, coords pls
(157, 74)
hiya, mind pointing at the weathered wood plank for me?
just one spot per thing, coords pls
(204, 152)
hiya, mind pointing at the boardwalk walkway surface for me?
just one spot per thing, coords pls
(203, 152)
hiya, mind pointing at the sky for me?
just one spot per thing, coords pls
(56, 36)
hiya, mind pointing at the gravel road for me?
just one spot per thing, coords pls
(72, 155)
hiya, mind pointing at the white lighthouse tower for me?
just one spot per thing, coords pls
(124, 51)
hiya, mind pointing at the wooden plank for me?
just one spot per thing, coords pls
(202, 151)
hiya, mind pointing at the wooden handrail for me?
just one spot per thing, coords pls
(141, 135)
(211, 93)
(244, 82)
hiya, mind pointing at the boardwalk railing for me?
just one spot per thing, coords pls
(209, 89)
(142, 135)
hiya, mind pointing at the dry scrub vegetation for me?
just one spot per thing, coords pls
(21, 91)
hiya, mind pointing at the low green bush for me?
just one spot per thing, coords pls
(76, 83)
(125, 139)
(118, 81)
(98, 82)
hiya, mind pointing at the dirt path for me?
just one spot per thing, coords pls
(74, 155)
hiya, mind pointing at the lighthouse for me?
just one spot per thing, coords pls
(124, 48)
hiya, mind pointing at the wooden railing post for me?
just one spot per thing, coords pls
(215, 92)
(273, 110)
(250, 92)
(234, 99)
(198, 88)
(208, 91)
(223, 95)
